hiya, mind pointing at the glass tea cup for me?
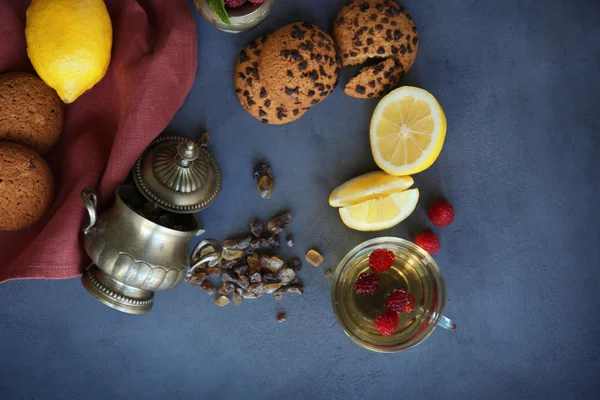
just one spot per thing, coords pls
(414, 271)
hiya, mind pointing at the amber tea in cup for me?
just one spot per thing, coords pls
(415, 271)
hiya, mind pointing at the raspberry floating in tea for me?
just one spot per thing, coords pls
(398, 300)
(387, 323)
(381, 260)
(366, 284)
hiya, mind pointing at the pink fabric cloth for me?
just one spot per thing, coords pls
(153, 66)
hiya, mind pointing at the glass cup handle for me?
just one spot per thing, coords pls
(447, 323)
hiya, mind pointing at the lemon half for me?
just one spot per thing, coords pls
(407, 131)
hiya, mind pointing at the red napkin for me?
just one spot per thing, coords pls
(152, 69)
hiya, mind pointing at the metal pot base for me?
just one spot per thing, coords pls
(115, 294)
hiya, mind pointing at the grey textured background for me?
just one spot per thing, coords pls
(519, 83)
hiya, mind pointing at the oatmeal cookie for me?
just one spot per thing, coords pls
(31, 113)
(366, 29)
(253, 96)
(26, 186)
(299, 65)
(376, 80)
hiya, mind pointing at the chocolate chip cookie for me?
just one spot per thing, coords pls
(375, 29)
(31, 113)
(26, 186)
(376, 80)
(253, 96)
(299, 65)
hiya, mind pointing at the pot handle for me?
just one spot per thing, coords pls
(211, 258)
(90, 200)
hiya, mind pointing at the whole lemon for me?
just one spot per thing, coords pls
(69, 44)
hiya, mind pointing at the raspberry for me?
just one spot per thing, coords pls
(410, 304)
(366, 283)
(428, 242)
(397, 300)
(386, 323)
(441, 213)
(235, 3)
(256, 1)
(381, 260)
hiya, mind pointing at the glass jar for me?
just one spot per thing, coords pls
(242, 18)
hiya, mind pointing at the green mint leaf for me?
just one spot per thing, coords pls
(218, 7)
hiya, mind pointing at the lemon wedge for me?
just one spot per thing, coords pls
(381, 213)
(407, 131)
(368, 186)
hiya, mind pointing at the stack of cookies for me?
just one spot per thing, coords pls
(278, 77)
(376, 29)
(31, 121)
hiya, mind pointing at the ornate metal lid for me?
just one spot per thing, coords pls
(178, 174)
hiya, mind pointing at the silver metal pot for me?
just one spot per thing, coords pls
(133, 256)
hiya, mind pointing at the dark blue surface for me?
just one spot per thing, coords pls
(519, 83)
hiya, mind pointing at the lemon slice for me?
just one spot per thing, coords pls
(408, 129)
(383, 213)
(368, 186)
